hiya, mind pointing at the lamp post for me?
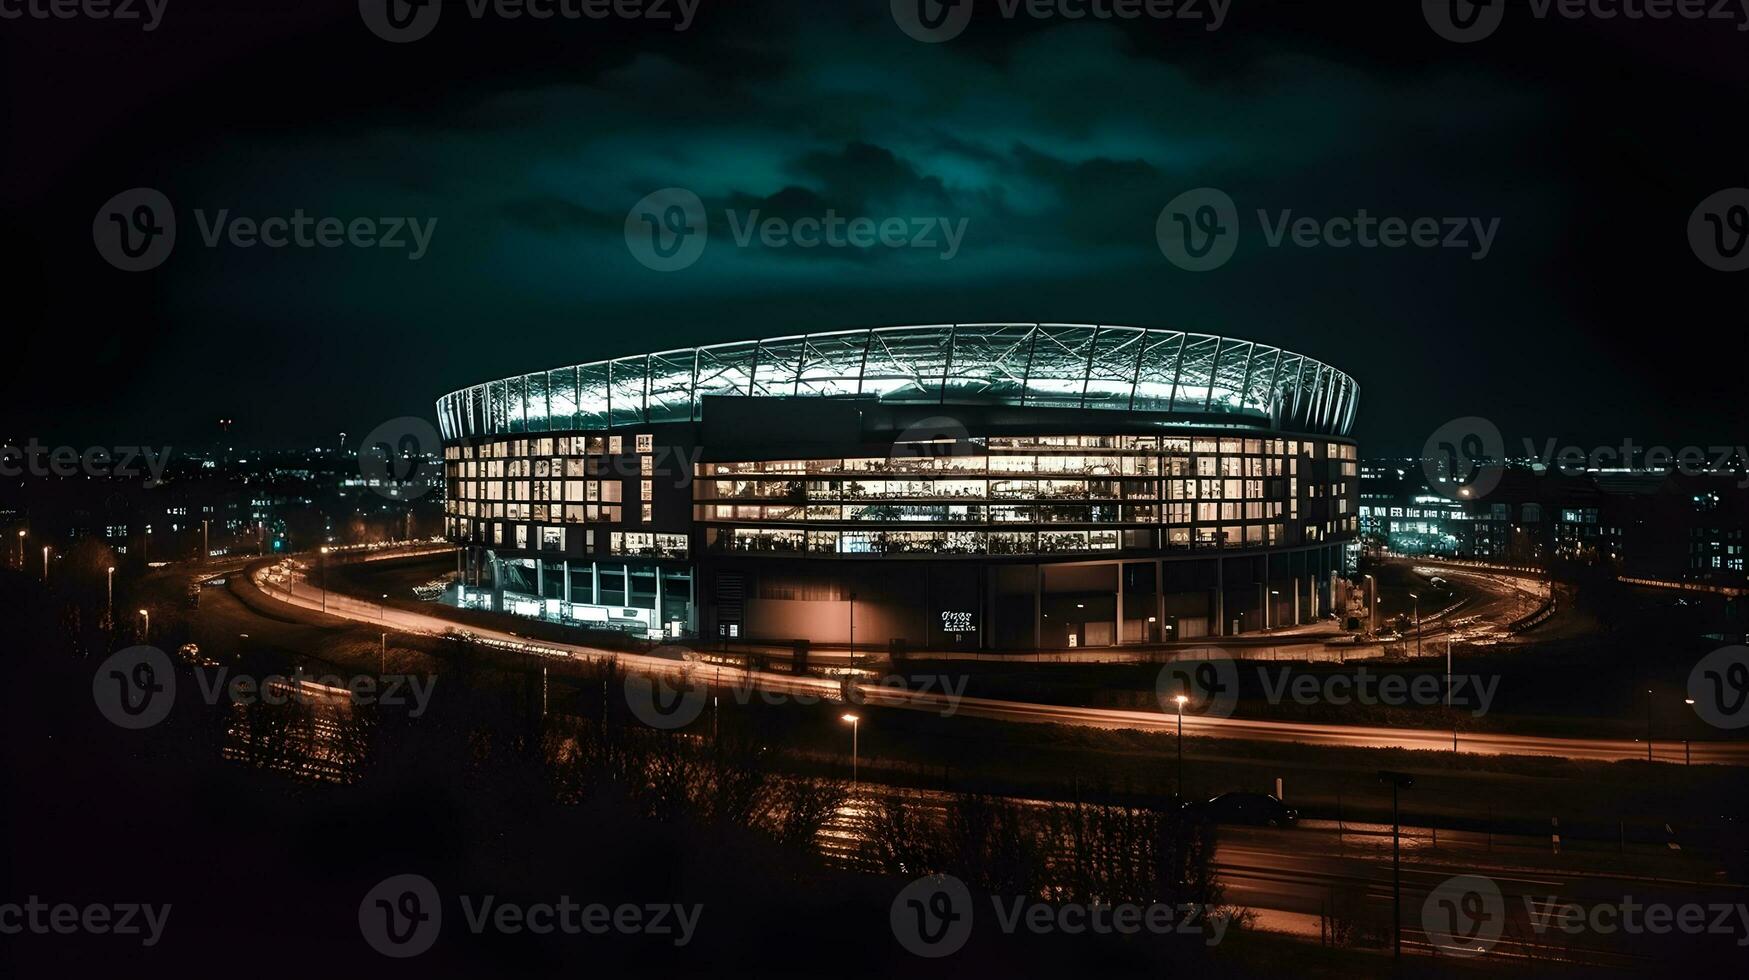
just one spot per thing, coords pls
(206, 550)
(1399, 781)
(1648, 724)
(855, 724)
(324, 562)
(146, 630)
(21, 551)
(853, 631)
(383, 656)
(1686, 760)
(1180, 701)
(109, 608)
(45, 563)
(1417, 597)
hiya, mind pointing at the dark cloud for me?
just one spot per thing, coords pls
(1056, 143)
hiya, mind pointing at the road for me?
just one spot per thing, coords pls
(1310, 881)
(299, 593)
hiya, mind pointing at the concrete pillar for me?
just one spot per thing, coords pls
(1220, 595)
(595, 583)
(1117, 637)
(1159, 599)
(1038, 606)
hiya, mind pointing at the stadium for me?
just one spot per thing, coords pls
(967, 486)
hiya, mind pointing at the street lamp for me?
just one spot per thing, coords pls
(1648, 723)
(45, 563)
(1686, 759)
(110, 608)
(1180, 700)
(324, 561)
(1399, 781)
(855, 723)
(146, 631)
(1417, 597)
(21, 551)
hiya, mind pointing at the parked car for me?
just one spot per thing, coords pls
(1253, 809)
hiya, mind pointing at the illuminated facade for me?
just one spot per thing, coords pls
(1009, 486)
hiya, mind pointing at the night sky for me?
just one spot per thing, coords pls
(1059, 142)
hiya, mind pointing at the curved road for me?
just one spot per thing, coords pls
(301, 594)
